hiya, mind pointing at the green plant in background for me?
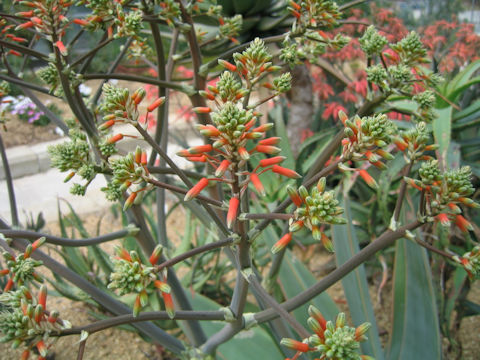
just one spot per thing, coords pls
(246, 200)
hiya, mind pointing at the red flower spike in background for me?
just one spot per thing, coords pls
(282, 243)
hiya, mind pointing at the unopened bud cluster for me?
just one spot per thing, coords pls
(372, 43)
(49, 75)
(413, 142)
(129, 173)
(130, 275)
(230, 27)
(21, 268)
(74, 156)
(314, 209)
(314, 13)
(399, 68)
(411, 50)
(24, 319)
(333, 340)
(29, 323)
(121, 107)
(311, 19)
(445, 193)
(366, 139)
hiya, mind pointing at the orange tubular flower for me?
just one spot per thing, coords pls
(297, 200)
(61, 47)
(42, 296)
(271, 161)
(162, 286)
(243, 153)
(202, 110)
(285, 172)
(200, 149)
(9, 285)
(156, 253)
(129, 201)
(115, 138)
(463, 224)
(280, 244)
(295, 345)
(227, 65)
(257, 183)
(160, 101)
(368, 178)
(80, 22)
(42, 348)
(269, 141)
(194, 191)
(267, 149)
(169, 308)
(222, 168)
(232, 210)
(4, 272)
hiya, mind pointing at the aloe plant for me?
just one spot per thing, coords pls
(246, 200)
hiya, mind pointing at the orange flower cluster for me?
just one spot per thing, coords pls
(366, 139)
(333, 341)
(48, 18)
(234, 126)
(130, 275)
